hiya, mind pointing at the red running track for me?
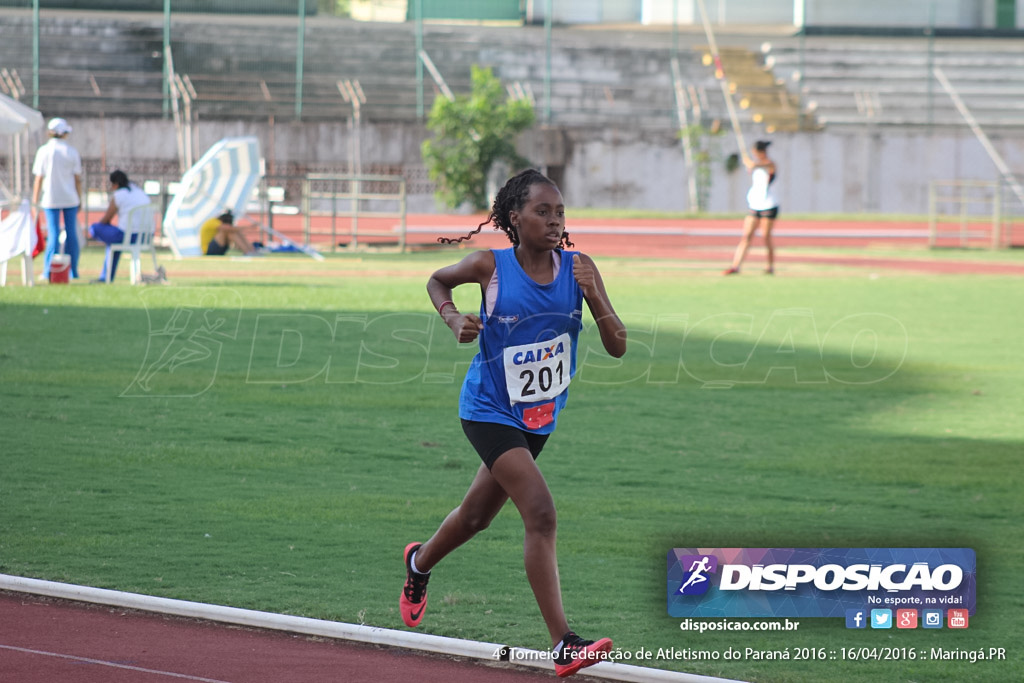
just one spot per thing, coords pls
(44, 640)
(701, 240)
(707, 240)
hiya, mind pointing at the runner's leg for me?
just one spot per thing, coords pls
(481, 504)
(518, 475)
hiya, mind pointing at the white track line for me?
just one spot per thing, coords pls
(115, 665)
(332, 629)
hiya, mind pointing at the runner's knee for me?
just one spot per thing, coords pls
(474, 521)
(540, 518)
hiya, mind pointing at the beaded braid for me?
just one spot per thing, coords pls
(511, 197)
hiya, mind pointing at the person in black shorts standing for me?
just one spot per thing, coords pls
(764, 207)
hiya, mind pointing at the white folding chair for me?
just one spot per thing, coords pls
(141, 222)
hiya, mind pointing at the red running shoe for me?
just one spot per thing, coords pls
(731, 271)
(413, 602)
(577, 653)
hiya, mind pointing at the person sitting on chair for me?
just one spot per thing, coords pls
(218, 234)
(125, 195)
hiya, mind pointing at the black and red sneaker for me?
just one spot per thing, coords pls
(577, 653)
(413, 602)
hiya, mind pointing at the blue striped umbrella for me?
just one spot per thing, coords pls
(222, 180)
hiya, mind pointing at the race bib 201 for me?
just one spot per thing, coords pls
(538, 371)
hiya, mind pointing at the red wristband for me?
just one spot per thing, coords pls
(440, 309)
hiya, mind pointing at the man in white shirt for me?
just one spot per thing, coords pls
(57, 188)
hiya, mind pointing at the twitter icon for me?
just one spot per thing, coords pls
(881, 618)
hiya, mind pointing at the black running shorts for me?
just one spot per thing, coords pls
(491, 440)
(766, 213)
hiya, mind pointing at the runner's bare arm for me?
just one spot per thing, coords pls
(613, 332)
(477, 267)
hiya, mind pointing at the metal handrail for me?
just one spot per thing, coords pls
(354, 196)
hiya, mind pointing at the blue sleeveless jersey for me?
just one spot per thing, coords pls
(520, 377)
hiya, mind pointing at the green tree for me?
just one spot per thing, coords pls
(336, 8)
(471, 133)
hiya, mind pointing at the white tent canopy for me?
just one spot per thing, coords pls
(17, 121)
(16, 117)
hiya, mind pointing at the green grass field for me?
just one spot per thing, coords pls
(270, 434)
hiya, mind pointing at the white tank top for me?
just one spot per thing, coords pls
(760, 196)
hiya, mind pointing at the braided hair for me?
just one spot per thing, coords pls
(511, 197)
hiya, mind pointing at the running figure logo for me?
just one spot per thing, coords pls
(185, 343)
(695, 581)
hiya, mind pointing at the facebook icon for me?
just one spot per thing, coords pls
(856, 618)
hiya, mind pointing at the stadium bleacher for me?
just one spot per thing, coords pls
(889, 81)
(244, 67)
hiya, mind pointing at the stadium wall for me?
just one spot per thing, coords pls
(882, 14)
(849, 170)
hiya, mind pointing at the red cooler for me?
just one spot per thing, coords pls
(60, 269)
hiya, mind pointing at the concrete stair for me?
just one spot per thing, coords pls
(757, 90)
